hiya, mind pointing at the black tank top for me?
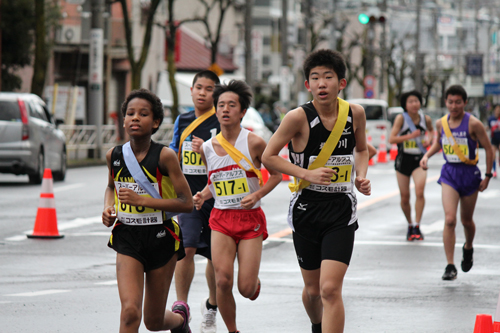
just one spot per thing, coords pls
(341, 160)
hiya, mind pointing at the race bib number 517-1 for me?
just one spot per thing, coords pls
(230, 187)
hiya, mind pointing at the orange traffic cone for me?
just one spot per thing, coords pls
(394, 152)
(382, 150)
(483, 324)
(46, 218)
(496, 322)
(285, 154)
(371, 161)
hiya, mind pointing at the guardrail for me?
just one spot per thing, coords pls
(80, 139)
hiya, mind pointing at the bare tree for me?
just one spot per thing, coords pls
(398, 68)
(149, 8)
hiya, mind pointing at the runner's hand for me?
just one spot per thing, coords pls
(198, 200)
(363, 185)
(249, 201)
(196, 144)
(415, 134)
(129, 197)
(484, 184)
(320, 176)
(108, 216)
(423, 162)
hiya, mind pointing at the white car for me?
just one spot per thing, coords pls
(253, 122)
(377, 120)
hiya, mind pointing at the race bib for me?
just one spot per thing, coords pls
(191, 161)
(341, 181)
(230, 187)
(137, 215)
(449, 152)
(411, 147)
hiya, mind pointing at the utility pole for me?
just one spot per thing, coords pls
(284, 70)
(248, 42)
(96, 56)
(418, 56)
(333, 25)
(383, 50)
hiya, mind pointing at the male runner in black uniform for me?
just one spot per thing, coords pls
(323, 212)
(194, 225)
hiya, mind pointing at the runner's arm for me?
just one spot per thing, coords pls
(480, 133)
(398, 124)
(361, 150)
(436, 146)
(430, 132)
(291, 127)
(174, 144)
(109, 212)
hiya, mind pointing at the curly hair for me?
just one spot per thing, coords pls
(156, 105)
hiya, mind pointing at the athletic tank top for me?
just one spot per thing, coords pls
(229, 183)
(191, 164)
(341, 159)
(138, 215)
(410, 146)
(462, 138)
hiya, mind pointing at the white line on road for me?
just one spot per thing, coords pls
(40, 293)
(434, 227)
(488, 194)
(107, 283)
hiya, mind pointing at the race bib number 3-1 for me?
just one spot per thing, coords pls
(191, 161)
(137, 215)
(230, 187)
(341, 181)
(448, 150)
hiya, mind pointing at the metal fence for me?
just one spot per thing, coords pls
(80, 139)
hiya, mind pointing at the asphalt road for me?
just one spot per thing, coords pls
(69, 284)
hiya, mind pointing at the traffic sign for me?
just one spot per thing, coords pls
(369, 93)
(492, 88)
(369, 82)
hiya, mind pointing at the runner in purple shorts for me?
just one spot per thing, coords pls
(458, 134)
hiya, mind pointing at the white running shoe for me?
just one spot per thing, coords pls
(208, 321)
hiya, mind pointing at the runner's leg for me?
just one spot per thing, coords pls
(450, 199)
(249, 256)
(419, 177)
(404, 190)
(467, 206)
(130, 278)
(331, 280)
(184, 273)
(311, 295)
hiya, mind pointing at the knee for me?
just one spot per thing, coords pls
(131, 316)
(331, 291)
(450, 221)
(420, 195)
(467, 222)
(154, 324)
(224, 282)
(312, 292)
(190, 252)
(405, 198)
(246, 289)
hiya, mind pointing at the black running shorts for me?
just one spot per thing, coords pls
(195, 229)
(153, 246)
(407, 163)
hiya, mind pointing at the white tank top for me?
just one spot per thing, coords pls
(229, 183)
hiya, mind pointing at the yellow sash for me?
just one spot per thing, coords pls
(239, 158)
(456, 148)
(192, 127)
(329, 146)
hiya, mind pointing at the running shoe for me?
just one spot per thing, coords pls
(257, 292)
(181, 308)
(208, 320)
(494, 174)
(467, 259)
(409, 234)
(417, 235)
(450, 273)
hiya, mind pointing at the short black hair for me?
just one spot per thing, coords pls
(156, 105)
(456, 90)
(327, 58)
(238, 87)
(206, 74)
(405, 95)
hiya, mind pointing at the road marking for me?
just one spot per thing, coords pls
(434, 227)
(40, 293)
(107, 283)
(422, 243)
(68, 187)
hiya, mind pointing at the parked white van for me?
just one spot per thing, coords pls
(377, 120)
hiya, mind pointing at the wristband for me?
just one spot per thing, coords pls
(489, 175)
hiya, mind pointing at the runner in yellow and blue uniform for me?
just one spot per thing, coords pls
(147, 241)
